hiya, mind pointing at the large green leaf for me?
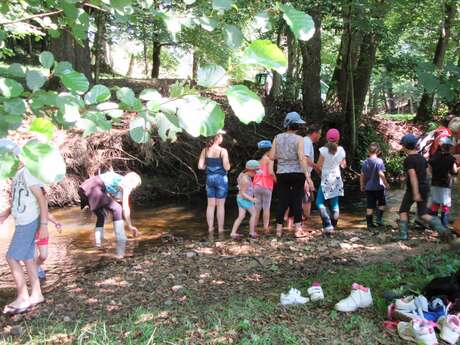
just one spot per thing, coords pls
(110, 109)
(9, 164)
(43, 127)
(15, 106)
(212, 76)
(209, 24)
(43, 98)
(200, 116)
(150, 95)
(74, 81)
(44, 161)
(139, 130)
(46, 59)
(245, 104)
(168, 126)
(35, 80)
(94, 122)
(10, 88)
(97, 94)
(17, 70)
(301, 24)
(69, 105)
(232, 36)
(222, 5)
(62, 68)
(267, 54)
(128, 98)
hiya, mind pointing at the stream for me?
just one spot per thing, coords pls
(73, 250)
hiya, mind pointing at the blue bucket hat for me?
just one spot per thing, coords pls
(293, 118)
(264, 144)
(409, 141)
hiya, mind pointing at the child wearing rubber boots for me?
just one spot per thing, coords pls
(373, 182)
(443, 165)
(418, 190)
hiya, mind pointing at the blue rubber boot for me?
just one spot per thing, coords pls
(379, 216)
(445, 219)
(403, 230)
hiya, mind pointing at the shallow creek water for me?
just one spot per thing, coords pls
(73, 249)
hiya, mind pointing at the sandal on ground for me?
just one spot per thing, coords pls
(15, 310)
(254, 236)
(36, 304)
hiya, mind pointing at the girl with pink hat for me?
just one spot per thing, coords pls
(331, 160)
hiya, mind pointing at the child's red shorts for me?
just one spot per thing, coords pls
(41, 242)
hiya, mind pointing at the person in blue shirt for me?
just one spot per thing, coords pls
(373, 182)
(101, 193)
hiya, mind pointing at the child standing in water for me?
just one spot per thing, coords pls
(373, 182)
(418, 190)
(331, 159)
(263, 184)
(246, 200)
(443, 166)
(29, 208)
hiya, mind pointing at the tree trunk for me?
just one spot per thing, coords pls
(194, 66)
(292, 53)
(424, 112)
(131, 66)
(156, 59)
(311, 73)
(66, 48)
(390, 104)
(99, 44)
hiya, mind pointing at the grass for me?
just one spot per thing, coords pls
(253, 320)
(399, 117)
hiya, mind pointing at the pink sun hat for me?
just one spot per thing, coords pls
(333, 135)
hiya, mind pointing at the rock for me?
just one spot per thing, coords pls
(346, 246)
(168, 302)
(190, 255)
(177, 287)
(66, 318)
(201, 281)
(354, 239)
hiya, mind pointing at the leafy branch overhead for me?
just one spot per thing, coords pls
(90, 108)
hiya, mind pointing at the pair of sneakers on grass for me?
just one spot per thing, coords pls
(294, 296)
(423, 331)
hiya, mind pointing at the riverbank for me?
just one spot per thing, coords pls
(226, 292)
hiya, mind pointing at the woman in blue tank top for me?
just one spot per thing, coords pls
(214, 159)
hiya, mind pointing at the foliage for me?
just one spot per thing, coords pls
(90, 108)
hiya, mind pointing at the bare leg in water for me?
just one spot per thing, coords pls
(210, 213)
(220, 214)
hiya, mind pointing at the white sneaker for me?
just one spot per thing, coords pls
(405, 304)
(360, 297)
(329, 230)
(450, 328)
(293, 297)
(316, 292)
(420, 331)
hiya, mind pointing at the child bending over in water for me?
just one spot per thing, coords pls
(246, 200)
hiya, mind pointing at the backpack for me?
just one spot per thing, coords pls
(428, 144)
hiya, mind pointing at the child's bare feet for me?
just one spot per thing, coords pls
(17, 307)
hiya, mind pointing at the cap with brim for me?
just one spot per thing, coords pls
(264, 144)
(10, 146)
(293, 118)
(409, 141)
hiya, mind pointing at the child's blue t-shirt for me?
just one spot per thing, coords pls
(371, 170)
(112, 182)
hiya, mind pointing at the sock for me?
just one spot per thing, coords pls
(434, 209)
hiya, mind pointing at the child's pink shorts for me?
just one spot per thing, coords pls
(42, 242)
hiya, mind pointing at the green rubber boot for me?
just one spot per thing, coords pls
(403, 230)
(437, 225)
